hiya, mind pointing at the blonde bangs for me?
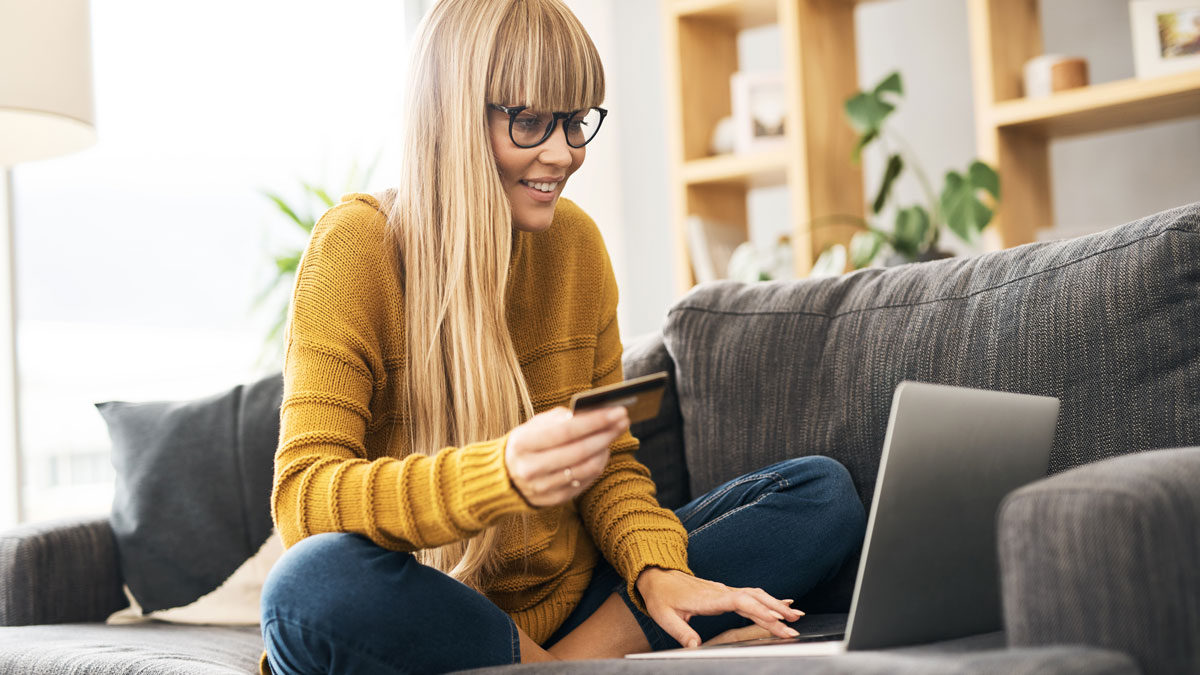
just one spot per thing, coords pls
(544, 59)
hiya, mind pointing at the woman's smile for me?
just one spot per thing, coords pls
(543, 190)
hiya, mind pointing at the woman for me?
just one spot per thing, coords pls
(442, 509)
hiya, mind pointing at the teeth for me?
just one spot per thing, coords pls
(542, 187)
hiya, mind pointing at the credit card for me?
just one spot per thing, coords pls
(642, 396)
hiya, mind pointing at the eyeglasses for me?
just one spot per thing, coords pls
(528, 129)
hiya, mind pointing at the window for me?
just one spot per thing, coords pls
(138, 259)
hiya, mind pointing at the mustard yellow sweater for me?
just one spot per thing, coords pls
(343, 463)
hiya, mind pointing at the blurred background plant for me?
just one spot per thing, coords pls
(962, 206)
(749, 263)
(303, 213)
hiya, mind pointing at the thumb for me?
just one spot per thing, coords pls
(558, 414)
(680, 630)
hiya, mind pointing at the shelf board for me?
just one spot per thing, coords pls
(741, 13)
(1103, 107)
(754, 170)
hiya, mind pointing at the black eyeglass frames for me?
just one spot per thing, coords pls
(529, 129)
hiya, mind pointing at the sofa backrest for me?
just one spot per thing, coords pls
(1109, 323)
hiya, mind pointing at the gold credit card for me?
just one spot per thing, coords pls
(642, 396)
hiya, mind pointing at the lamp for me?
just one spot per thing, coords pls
(46, 110)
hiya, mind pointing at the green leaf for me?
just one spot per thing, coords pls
(866, 112)
(319, 194)
(864, 247)
(985, 177)
(912, 226)
(965, 213)
(894, 166)
(863, 141)
(891, 83)
(287, 264)
(287, 210)
(831, 263)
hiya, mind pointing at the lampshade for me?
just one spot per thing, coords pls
(46, 104)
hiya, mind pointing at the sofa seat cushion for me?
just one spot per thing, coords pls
(145, 649)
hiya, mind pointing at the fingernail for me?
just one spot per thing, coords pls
(788, 601)
(792, 632)
(616, 414)
(775, 614)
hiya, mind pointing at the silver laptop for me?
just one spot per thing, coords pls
(928, 570)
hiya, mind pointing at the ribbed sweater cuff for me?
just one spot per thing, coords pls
(664, 551)
(485, 481)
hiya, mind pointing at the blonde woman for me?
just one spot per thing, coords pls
(442, 509)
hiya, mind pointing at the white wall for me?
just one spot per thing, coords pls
(1099, 181)
(597, 186)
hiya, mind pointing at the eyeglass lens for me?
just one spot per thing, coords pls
(530, 128)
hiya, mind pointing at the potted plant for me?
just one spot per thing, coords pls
(303, 214)
(959, 207)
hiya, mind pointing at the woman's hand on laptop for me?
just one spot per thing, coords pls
(672, 597)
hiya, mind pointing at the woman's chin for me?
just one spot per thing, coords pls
(533, 224)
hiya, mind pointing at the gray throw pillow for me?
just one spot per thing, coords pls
(193, 488)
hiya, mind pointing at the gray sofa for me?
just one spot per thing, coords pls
(1098, 561)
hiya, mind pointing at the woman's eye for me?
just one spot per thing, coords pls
(526, 122)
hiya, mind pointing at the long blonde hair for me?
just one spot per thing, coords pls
(451, 220)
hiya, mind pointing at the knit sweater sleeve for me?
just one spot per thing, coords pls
(333, 366)
(620, 510)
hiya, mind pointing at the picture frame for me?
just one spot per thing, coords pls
(759, 111)
(1166, 36)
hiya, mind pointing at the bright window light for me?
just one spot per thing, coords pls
(138, 259)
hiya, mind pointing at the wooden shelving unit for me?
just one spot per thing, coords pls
(1014, 133)
(820, 72)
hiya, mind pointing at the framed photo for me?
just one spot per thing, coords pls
(1166, 36)
(759, 111)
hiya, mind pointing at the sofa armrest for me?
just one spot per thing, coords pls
(660, 439)
(60, 571)
(1106, 555)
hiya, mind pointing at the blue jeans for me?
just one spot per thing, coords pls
(337, 603)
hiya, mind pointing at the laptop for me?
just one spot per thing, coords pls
(928, 570)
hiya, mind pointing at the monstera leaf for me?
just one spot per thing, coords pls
(895, 166)
(964, 211)
(912, 226)
(864, 247)
(867, 111)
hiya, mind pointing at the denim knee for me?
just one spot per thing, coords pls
(843, 513)
(338, 602)
(847, 506)
(321, 562)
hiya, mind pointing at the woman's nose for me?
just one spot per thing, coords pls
(555, 150)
